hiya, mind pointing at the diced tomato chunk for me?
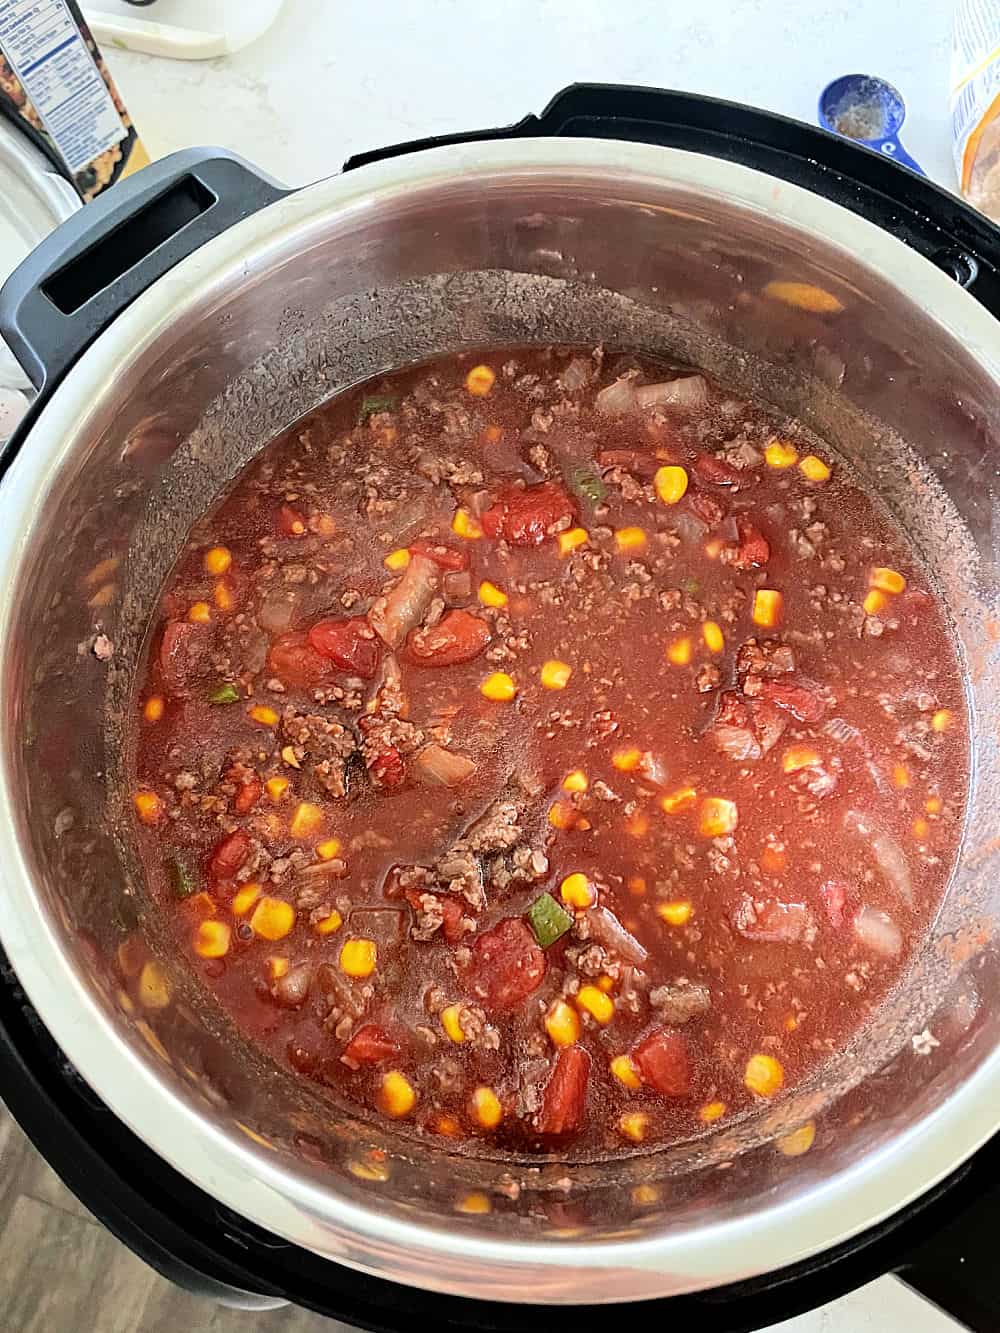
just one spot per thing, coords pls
(229, 855)
(445, 557)
(507, 965)
(183, 655)
(451, 912)
(290, 522)
(247, 796)
(387, 769)
(664, 1063)
(565, 1097)
(526, 515)
(458, 636)
(294, 661)
(715, 471)
(835, 893)
(350, 644)
(801, 700)
(370, 1045)
(752, 550)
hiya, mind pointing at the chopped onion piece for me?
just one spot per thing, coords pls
(609, 931)
(877, 931)
(440, 767)
(887, 852)
(618, 398)
(406, 605)
(690, 391)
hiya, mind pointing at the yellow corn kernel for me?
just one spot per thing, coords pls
(306, 820)
(714, 638)
(644, 1196)
(670, 483)
(200, 905)
(804, 296)
(272, 918)
(575, 781)
(634, 1125)
(499, 687)
(562, 1023)
(713, 548)
(571, 539)
(211, 939)
(277, 968)
(797, 757)
(799, 1141)
(627, 760)
(780, 454)
(900, 776)
(329, 925)
(217, 559)
(396, 1095)
(637, 885)
(630, 539)
(711, 1112)
(200, 613)
(491, 595)
(874, 602)
(148, 806)
(678, 800)
(679, 652)
(446, 1125)
(577, 891)
(153, 709)
(718, 817)
(920, 827)
(764, 1075)
(357, 957)
(464, 525)
(325, 525)
(267, 717)
(245, 898)
(289, 757)
(222, 596)
(154, 988)
(605, 983)
(475, 1204)
(276, 788)
(625, 1071)
(397, 560)
(678, 912)
(480, 381)
(814, 469)
(887, 580)
(555, 674)
(942, 720)
(328, 849)
(599, 1006)
(791, 1022)
(486, 1107)
(933, 805)
(452, 1023)
(767, 607)
(636, 824)
(370, 1170)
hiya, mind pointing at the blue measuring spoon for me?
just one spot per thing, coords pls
(868, 110)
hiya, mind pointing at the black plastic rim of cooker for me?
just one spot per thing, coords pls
(942, 1243)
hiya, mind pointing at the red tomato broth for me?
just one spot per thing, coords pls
(767, 960)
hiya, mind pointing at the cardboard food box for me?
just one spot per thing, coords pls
(55, 87)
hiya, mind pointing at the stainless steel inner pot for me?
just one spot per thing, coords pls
(537, 240)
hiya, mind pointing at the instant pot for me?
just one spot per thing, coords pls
(174, 327)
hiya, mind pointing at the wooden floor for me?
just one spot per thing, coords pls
(61, 1272)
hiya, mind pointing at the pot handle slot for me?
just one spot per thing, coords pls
(82, 276)
(918, 212)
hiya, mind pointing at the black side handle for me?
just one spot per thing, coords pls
(82, 276)
(951, 234)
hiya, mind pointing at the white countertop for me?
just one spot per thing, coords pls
(331, 79)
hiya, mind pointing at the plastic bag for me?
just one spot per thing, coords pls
(975, 102)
